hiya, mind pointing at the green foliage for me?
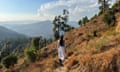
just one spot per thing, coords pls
(31, 54)
(35, 42)
(60, 24)
(40, 42)
(31, 51)
(14, 46)
(83, 21)
(116, 6)
(109, 18)
(9, 61)
(104, 5)
(80, 22)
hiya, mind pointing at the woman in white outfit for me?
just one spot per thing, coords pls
(61, 50)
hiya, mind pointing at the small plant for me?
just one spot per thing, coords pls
(9, 61)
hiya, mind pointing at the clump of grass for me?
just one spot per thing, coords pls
(30, 54)
(98, 44)
(112, 31)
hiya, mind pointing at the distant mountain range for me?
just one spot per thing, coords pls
(32, 28)
(9, 34)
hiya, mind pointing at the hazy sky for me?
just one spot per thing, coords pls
(20, 10)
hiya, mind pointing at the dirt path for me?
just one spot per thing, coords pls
(67, 63)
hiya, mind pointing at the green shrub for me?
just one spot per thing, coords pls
(31, 54)
(35, 42)
(9, 61)
(85, 20)
(109, 18)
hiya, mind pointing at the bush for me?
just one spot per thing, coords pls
(31, 54)
(109, 18)
(9, 61)
(83, 21)
(35, 42)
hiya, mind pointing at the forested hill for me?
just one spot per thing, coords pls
(7, 34)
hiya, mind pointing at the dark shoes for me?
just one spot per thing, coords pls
(61, 62)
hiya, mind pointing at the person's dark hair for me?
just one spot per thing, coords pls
(61, 41)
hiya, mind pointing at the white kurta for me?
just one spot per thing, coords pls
(61, 52)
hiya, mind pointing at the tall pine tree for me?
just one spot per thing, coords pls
(104, 5)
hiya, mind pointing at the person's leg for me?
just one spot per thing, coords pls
(60, 61)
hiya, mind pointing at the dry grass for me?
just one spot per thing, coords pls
(96, 54)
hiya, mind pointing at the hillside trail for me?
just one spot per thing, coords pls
(67, 63)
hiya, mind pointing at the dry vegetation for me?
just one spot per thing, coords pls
(86, 53)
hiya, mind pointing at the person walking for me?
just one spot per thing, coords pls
(61, 50)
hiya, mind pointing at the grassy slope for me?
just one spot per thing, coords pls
(86, 53)
(89, 54)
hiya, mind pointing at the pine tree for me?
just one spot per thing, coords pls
(104, 5)
(80, 22)
(84, 20)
